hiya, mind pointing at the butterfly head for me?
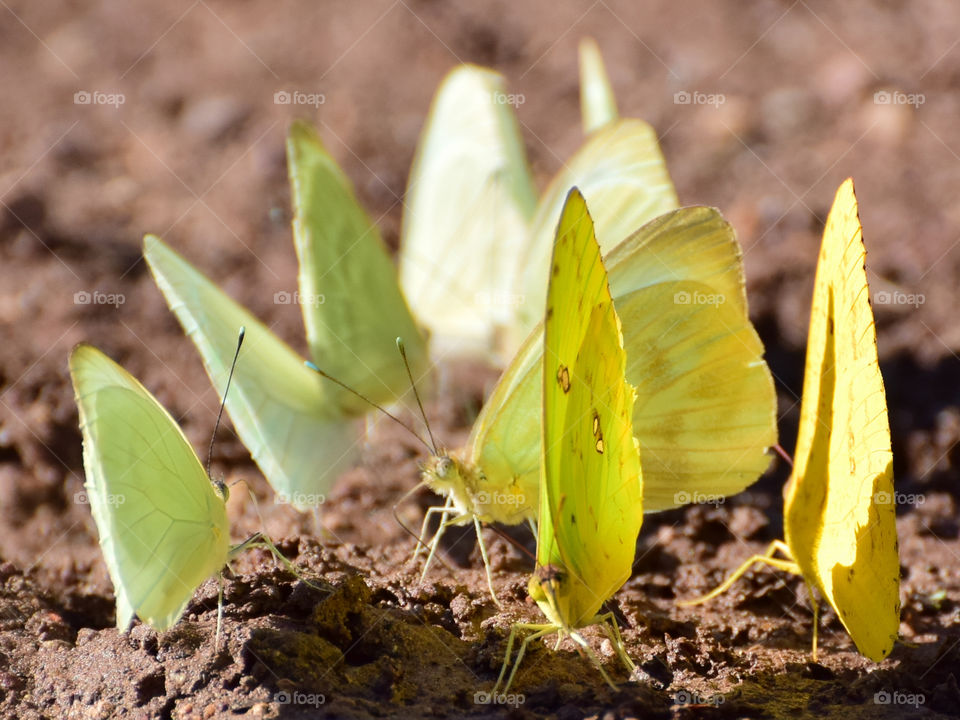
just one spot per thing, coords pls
(546, 587)
(221, 489)
(563, 597)
(448, 476)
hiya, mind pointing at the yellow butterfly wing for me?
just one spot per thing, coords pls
(622, 174)
(469, 198)
(163, 528)
(598, 104)
(353, 309)
(289, 419)
(706, 407)
(839, 514)
(591, 491)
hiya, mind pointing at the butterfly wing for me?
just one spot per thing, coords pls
(706, 406)
(352, 306)
(469, 199)
(598, 104)
(705, 409)
(839, 515)
(286, 415)
(622, 174)
(591, 493)
(163, 529)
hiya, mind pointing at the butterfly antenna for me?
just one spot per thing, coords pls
(783, 453)
(513, 541)
(413, 386)
(370, 402)
(233, 365)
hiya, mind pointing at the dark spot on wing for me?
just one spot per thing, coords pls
(597, 432)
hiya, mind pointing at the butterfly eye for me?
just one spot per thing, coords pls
(222, 489)
(444, 464)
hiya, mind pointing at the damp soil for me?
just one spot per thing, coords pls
(195, 153)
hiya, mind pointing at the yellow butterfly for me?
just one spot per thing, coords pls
(841, 533)
(591, 490)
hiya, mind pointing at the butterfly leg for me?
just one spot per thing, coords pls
(486, 560)
(443, 511)
(609, 624)
(539, 631)
(816, 621)
(766, 558)
(578, 638)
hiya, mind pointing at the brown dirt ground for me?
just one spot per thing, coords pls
(196, 154)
